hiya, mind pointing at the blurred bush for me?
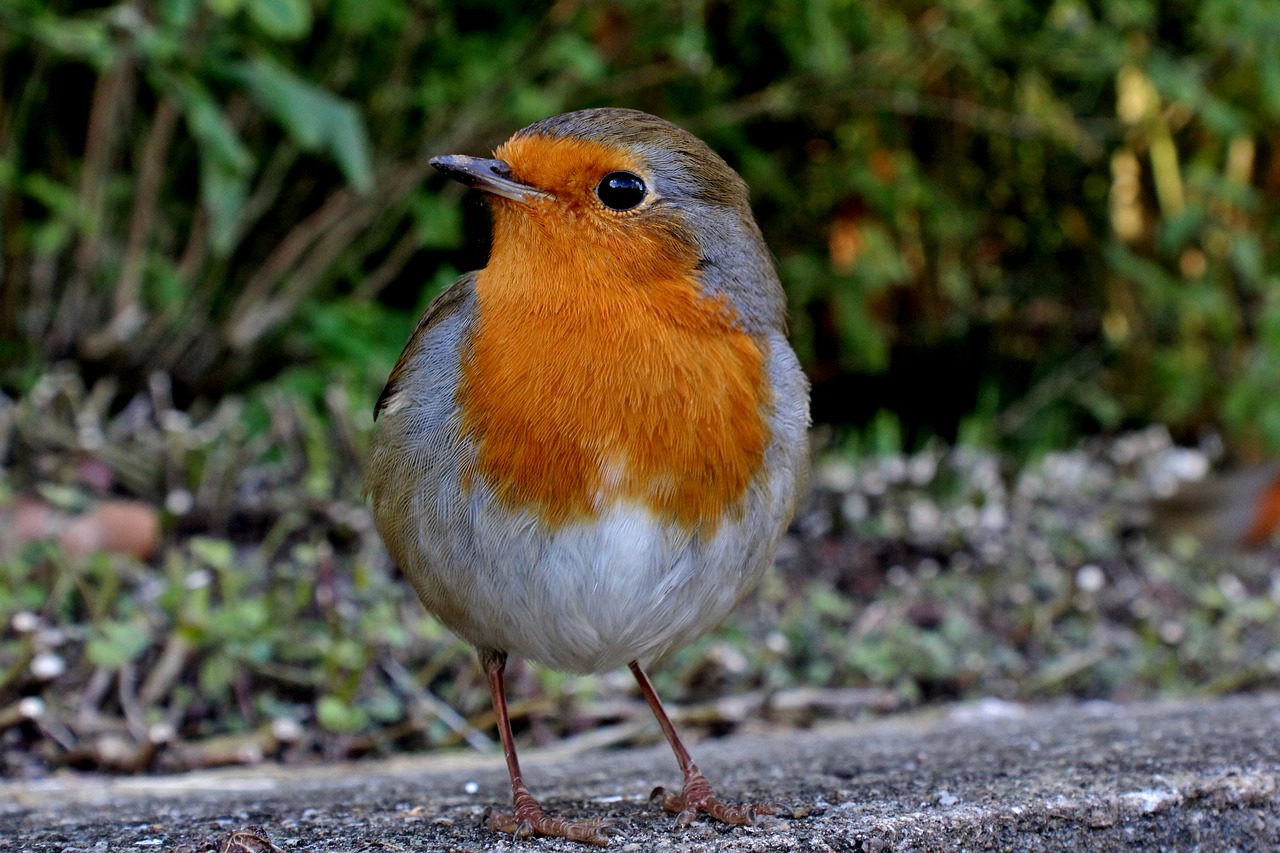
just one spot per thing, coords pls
(1029, 221)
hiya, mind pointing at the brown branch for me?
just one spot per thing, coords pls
(270, 184)
(270, 313)
(390, 267)
(286, 256)
(150, 179)
(128, 314)
(112, 90)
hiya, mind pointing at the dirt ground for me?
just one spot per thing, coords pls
(1183, 775)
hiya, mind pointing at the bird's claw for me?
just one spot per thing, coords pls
(697, 796)
(526, 823)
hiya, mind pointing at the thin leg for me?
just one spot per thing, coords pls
(696, 796)
(527, 817)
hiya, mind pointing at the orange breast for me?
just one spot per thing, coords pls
(587, 382)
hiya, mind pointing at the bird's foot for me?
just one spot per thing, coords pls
(697, 796)
(528, 819)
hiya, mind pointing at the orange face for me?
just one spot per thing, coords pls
(598, 371)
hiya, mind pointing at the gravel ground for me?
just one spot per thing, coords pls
(1182, 775)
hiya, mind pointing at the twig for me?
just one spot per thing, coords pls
(150, 180)
(243, 326)
(24, 710)
(110, 92)
(434, 706)
(391, 265)
(166, 670)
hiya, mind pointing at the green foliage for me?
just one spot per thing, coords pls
(1012, 223)
(1067, 212)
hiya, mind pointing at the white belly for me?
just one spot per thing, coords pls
(594, 595)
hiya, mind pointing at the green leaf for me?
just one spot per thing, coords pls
(314, 118)
(223, 192)
(225, 8)
(216, 674)
(117, 643)
(338, 716)
(215, 553)
(281, 19)
(210, 127)
(178, 13)
(81, 37)
(437, 221)
(225, 163)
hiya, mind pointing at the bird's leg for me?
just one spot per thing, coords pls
(696, 795)
(527, 817)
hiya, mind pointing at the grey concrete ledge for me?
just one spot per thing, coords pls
(1179, 775)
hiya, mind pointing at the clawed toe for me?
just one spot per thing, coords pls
(697, 797)
(595, 831)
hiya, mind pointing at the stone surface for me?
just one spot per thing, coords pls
(1182, 775)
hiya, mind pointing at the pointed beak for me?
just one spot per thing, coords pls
(491, 176)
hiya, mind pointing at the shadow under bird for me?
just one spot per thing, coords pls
(589, 449)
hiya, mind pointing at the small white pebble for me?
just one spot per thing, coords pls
(179, 502)
(855, 506)
(966, 517)
(286, 730)
(946, 799)
(923, 518)
(837, 475)
(47, 666)
(161, 732)
(1185, 464)
(24, 622)
(1090, 578)
(922, 468)
(730, 658)
(893, 468)
(993, 517)
(198, 579)
(471, 788)
(1171, 632)
(31, 707)
(1232, 588)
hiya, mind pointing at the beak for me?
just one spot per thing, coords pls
(491, 176)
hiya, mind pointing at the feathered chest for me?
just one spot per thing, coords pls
(583, 393)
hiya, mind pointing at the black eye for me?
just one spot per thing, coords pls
(620, 190)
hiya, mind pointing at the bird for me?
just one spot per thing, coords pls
(589, 449)
(1233, 510)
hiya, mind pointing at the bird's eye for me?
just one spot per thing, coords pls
(620, 190)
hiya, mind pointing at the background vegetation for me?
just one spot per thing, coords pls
(1010, 225)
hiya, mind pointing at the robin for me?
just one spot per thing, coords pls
(1237, 509)
(589, 449)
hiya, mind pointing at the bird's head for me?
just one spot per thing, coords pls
(625, 192)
